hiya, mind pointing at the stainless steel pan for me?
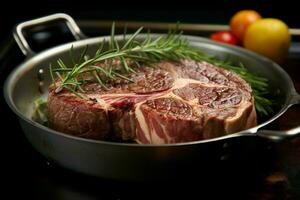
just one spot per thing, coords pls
(122, 160)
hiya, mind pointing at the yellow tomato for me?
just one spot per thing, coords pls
(240, 21)
(269, 37)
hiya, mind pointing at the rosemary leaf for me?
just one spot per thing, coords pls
(83, 53)
(112, 36)
(123, 77)
(132, 38)
(125, 65)
(101, 70)
(95, 74)
(100, 48)
(51, 73)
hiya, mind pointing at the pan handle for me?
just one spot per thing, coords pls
(278, 136)
(294, 98)
(22, 42)
(283, 135)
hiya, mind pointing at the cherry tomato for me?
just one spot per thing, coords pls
(225, 37)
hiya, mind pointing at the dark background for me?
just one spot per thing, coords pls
(195, 11)
(187, 11)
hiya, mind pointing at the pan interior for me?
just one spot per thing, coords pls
(23, 86)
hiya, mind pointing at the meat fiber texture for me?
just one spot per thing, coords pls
(168, 102)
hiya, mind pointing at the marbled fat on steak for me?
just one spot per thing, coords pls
(172, 102)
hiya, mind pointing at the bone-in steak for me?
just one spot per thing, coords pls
(170, 102)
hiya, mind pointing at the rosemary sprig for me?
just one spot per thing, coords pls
(40, 111)
(168, 47)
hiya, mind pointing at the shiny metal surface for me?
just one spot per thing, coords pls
(134, 161)
(279, 135)
(23, 44)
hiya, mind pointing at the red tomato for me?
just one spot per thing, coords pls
(225, 37)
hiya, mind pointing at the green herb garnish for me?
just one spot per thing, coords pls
(171, 47)
(40, 110)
